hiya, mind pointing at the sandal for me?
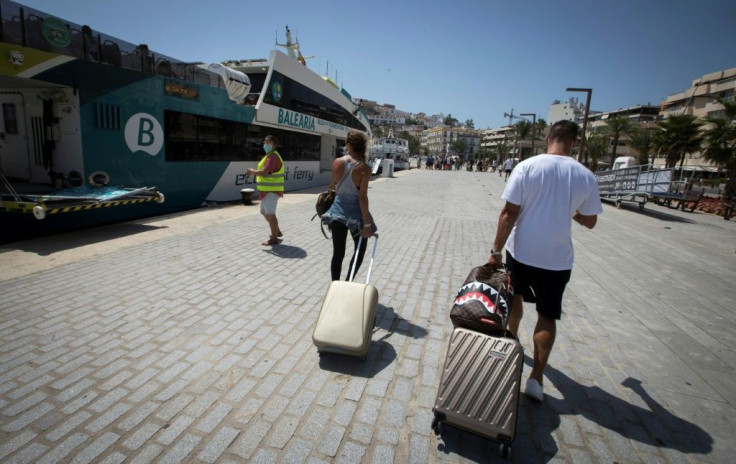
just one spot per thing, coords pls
(271, 242)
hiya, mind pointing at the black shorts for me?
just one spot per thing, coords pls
(540, 286)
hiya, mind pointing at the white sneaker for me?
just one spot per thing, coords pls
(534, 390)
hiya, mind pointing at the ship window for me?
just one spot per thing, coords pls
(232, 139)
(287, 93)
(11, 118)
(256, 86)
(191, 137)
(293, 146)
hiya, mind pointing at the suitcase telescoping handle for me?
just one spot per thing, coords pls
(355, 260)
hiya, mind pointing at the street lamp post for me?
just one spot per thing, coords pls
(585, 120)
(534, 127)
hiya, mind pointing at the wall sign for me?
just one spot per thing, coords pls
(175, 89)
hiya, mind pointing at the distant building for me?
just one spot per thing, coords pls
(388, 115)
(439, 140)
(492, 138)
(370, 107)
(378, 120)
(701, 99)
(642, 115)
(434, 121)
(414, 130)
(572, 110)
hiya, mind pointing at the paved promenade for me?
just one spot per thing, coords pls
(182, 339)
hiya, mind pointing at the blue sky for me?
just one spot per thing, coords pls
(473, 59)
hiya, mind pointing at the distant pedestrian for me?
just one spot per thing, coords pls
(349, 212)
(544, 195)
(270, 184)
(508, 166)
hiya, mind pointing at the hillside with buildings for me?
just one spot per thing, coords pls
(629, 131)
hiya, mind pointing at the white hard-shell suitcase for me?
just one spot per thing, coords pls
(348, 315)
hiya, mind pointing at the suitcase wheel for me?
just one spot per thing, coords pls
(505, 445)
(437, 426)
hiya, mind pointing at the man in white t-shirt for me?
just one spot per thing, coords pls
(544, 194)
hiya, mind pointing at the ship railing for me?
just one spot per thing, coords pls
(26, 27)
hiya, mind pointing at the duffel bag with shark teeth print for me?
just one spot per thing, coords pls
(483, 303)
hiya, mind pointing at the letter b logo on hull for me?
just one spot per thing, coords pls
(143, 133)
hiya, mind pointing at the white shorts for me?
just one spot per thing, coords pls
(269, 202)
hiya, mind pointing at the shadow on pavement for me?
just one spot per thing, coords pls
(539, 424)
(475, 448)
(71, 240)
(287, 251)
(388, 320)
(653, 426)
(380, 355)
(656, 214)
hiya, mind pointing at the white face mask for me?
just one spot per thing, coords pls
(267, 148)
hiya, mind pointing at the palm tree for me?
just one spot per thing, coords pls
(541, 125)
(460, 147)
(640, 139)
(679, 135)
(522, 129)
(617, 126)
(502, 151)
(720, 144)
(597, 147)
(659, 145)
(538, 131)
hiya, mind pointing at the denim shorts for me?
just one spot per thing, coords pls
(269, 202)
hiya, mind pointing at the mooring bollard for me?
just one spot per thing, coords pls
(247, 195)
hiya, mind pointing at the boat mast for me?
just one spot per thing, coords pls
(292, 48)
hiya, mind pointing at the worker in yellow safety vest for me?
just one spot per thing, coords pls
(270, 184)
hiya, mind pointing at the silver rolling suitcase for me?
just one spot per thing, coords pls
(480, 386)
(348, 315)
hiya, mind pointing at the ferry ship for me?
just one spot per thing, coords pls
(390, 147)
(96, 130)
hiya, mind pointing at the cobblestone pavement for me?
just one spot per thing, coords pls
(184, 340)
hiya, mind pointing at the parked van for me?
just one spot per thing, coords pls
(624, 162)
